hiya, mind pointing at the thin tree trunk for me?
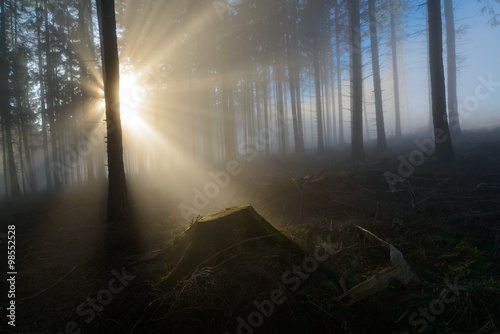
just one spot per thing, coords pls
(455, 128)
(444, 148)
(5, 104)
(339, 74)
(266, 111)
(365, 114)
(227, 114)
(291, 79)
(50, 103)
(377, 87)
(395, 75)
(4, 160)
(43, 110)
(86, 28)
(317, 82)
(281, 111)
(298, 95)
(357, 149)
(332, 91)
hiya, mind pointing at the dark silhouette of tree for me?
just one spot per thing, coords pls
(451, 54)
(357, 150)
(444, 148)
(338, 32)
(117, 195)
(317, 80)
(395, 74)
(5, 107)
(379, 112)
(50, 97)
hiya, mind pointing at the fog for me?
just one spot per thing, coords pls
(207, 83)
(244, 166)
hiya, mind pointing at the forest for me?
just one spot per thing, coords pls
(250, 166)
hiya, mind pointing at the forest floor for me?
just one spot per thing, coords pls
(444, 220)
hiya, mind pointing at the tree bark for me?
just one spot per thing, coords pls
(117, 196)
(43, 110)
(295, 100)
(50, 103)
(357, 148)
(339, 74)
(452, 69)
(317, 81)
(444, 148)
(5, 107)
(377, 87)
(85, 30)
(395, 74)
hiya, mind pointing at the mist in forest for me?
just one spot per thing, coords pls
(207, 86)
(244, 166)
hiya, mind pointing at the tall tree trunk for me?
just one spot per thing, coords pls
(292, 66)
(5, 104)
(266, 110)
(429, 88)
(452, 70)
(365, 115)
(395, 74)
(20, 73)
(86, 33)
(444, 148)
(208, 145)
(50, 103)
(298, 95)
(281, 109)
(43, 110)
(117, 196)
(377, 87)
(357, 149)
(5, 162)
(332, 92)
(317, 81)
(339, 74)
(228, 117)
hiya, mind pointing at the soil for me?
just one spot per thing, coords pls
(281, 264)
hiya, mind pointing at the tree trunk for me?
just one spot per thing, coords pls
(229, 135)
(357, 149)
(377, 87)
(117, 196)
(85, 30)
(292, 67)
(395, 75)
(50, 104)
(266, 110)
(4, 159)
(444, 148)
(281, 109)
(452, 70)
(339, 74)
(317, 81)
(5, 104)
(43, 110)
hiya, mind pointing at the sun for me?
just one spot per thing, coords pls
(131, 99)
